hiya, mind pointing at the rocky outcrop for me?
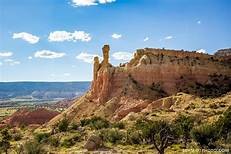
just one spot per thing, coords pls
(102, 76)
(143, 82)
(223, 52)
(160, 70)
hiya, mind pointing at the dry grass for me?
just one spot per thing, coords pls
(4, 112)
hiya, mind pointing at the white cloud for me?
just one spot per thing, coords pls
(146, 39)
(84, 2)
(86, 57)
(116, 36)
(67, 74)
(48, 54)
(78, 3)
(199, 22)
(125, 56)
(5, 54)
(30, 57)
(32, 39)
(106, 1)
(168, 37)
(0, 63)
(201, 51)
(11, 62)
(60, 36)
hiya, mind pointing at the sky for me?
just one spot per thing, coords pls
(55, 40)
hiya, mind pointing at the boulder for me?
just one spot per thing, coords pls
(93, 143)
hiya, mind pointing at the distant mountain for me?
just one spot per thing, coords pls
(42, 90)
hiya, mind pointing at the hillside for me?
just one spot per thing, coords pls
(26, 117)
(155, 79)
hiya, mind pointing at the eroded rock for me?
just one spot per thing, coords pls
(93, 143)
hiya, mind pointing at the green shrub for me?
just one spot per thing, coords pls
(63, 125)
(144, 126)
(99, 124)
(119, 125)
(205, 135)
(84, 122)
(74, 126)
(54, 141)
(112, 135)
(70, 141)
(95, 123)
(76, 137)
(42, 137)
(183, 125)
(134, 137)
(67, 143)
(32, 147)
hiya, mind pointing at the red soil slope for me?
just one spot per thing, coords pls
(25, 116)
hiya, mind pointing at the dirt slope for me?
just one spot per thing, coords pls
(26, 116)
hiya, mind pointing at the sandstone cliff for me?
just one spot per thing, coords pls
(162, 70)
(150, 75)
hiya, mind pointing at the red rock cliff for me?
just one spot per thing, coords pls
(143, 82)
(157, 68)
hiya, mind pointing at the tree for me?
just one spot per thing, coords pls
(4, 143)
(184, 124)
(160, 133)
(205, 135)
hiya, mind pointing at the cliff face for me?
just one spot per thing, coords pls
(167, 71)
(223, 52)
(147, 79)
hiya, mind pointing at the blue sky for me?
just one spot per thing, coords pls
(55, 40)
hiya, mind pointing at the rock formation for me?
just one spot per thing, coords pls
(102, 75)
(223, 52)
(152, 74)
(152, 67)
